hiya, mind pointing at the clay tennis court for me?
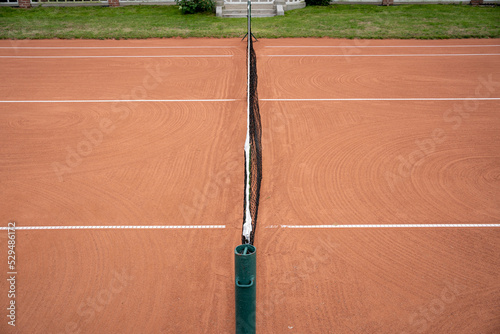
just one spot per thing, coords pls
(122, 166)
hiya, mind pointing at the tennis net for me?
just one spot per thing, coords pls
(253, 147)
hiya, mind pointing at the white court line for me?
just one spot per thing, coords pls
(382, 46)
(395, 55)
(111, 47)
(395, 99)
(391, 226)
(113, 101)
(116, 227)
(272, 100)
(157, 56)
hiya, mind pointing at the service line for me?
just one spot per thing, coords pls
(110, 47)
(83, 56)
(381, 46)
(118, 227)
(396, 55)
(271, 100)
(391, 226)
(113, 101)
(393, 99)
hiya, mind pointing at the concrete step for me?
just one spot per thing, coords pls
(244, 6)
(270, 12)
(256, 12)
(245, 15)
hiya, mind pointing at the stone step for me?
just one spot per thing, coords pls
(267, 12)
(240, 10)
(236, 15)
(244, 6)
(254, 12)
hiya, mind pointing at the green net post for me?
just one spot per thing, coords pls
(244, 273)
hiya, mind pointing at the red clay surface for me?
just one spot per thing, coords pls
(180, 163)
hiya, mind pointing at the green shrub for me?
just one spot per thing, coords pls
(196, 6)
(317, 2)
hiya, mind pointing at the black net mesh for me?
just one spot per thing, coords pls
(255, 142)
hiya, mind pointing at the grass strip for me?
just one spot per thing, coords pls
(337, 21)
